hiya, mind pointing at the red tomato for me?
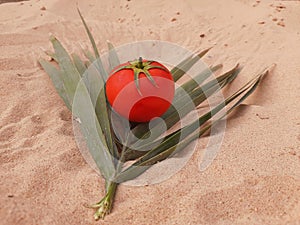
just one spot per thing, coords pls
(140, 90)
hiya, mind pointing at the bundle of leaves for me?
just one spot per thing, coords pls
(109, 147)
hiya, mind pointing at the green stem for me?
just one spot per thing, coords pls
(140, 63)
(105, 205)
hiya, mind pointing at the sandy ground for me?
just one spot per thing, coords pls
(255, 177)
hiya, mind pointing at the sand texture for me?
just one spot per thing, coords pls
(253, 180)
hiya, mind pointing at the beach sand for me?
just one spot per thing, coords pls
(253, 180)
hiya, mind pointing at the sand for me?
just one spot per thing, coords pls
(253, 180)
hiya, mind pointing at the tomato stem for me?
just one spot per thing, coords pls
(140, 63)
(138, 66)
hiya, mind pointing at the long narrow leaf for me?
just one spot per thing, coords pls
(69, 73)
(198, 94)
(97, 55)
(83, 108)
(193, 83)
(95, 87)
(55, 76)
(67, 80)
(102, 110)
(184, 132)
(113, 56)
(89, 55)
(179, 70)
(197, 80)
(180, 100)
(167, 148)
(79, 64)
(90, 35)
(172, 116)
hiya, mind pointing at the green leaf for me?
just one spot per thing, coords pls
(89, 55)
(79, 64)
(99, 64)
(180, 100)
(96, 89)
(55, 76)
(66, 82)
(197, 80)
(179, 70)
(190, 86)
(191, 132)
(83, 108)
(112, 56)
(70, 75)
(102, 111)
(183, 107)
(90, 35)
(248, 88)
(200, 94)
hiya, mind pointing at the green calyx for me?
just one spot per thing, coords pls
(139, 66)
